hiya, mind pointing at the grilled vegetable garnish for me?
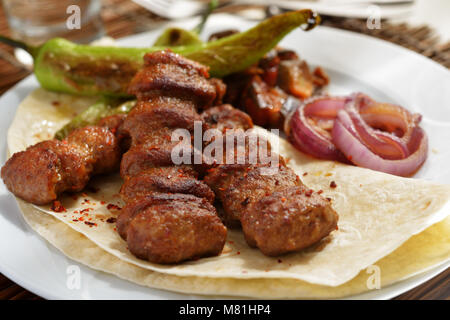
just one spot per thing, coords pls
(63, 66)
(266, 90)
(104, 107)
(174, 37)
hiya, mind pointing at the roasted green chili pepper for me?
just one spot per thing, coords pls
(174, 37)
(63, 66)
(102, 108)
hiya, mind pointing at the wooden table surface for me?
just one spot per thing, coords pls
(122, 18)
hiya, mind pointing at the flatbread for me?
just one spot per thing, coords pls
(420, 253)
(378, 213)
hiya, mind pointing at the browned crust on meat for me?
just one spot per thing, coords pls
(168, 216)
(288, 220)
(43, 171)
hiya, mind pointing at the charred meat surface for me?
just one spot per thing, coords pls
(45, 170)
(168, 216)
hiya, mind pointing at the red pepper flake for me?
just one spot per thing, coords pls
(75, 220)
(320, 191)
(333, 184)
(84, 195)
(329, 199)
(350, 158)
(90, 224)
(238, 252)
(283, 199)
(81, 218)
(58, 207)
(113, 207)
(309, 193)
(305, 174)
(280, 261)
(85, 211)
(111, 220)
(102, 202)
(114, 228)
(56, 103)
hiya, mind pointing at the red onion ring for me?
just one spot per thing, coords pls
(369, 134)
(306, 128)
(347, 141)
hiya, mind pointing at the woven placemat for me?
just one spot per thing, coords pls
(421, 39)
(122, 18)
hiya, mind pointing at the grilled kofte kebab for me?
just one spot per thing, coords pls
(277, 212)
(168, 216)
(45, 170)
(172, 220)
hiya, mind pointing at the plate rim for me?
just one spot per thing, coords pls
(43, 292)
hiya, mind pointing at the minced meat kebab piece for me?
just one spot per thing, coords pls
(278, 214)
(168, 216)
(45, 170)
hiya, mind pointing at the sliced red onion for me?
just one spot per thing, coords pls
(374, 135)
(360, 155)
(386, 145)
(305, 129)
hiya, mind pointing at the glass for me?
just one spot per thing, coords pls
(35, 21)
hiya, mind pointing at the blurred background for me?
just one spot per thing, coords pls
(420, 25)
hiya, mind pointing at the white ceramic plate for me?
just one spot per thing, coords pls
(355, 63)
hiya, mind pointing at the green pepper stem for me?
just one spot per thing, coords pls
(19, 44)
